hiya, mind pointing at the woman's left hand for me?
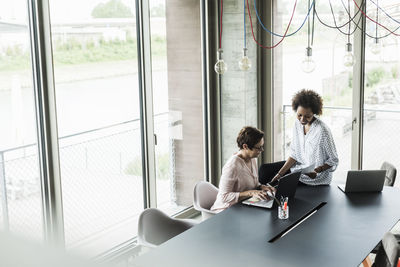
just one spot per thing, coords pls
(268, 188)
(312, 175)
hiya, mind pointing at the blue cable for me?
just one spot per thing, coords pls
(244, 22)
(293, 33)
(384, 12)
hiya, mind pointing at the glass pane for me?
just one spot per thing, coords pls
(382, 88)
(177, 101)
(330, 78)
(20, 208)
(95, 58)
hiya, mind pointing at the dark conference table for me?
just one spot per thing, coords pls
(340, 233)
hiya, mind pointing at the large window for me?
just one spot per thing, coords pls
(382, 87)
(100, 93)
(96, 81)
(20, 211)
(330, 78)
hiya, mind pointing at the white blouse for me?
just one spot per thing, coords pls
(317, 146)
(236, 177)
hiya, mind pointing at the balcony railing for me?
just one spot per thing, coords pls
(103, 162)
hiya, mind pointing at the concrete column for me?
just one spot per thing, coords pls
(185, 93)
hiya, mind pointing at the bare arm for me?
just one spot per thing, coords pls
(288, 164)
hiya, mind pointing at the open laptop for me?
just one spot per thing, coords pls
(286, 187)
(364, 181)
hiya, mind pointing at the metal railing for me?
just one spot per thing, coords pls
(101, 155)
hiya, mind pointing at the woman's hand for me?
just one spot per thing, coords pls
(319, 169)
(268, 188)
(276, 178)
(258, 194)
(312, 175)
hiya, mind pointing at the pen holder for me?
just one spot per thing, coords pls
(283, 209)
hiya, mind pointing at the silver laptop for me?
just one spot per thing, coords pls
(364, 181)
(286, 187)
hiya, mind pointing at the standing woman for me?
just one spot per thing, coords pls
(312, 143)
(239, 179)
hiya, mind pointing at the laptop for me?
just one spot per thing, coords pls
(364, 181)
(286, 187)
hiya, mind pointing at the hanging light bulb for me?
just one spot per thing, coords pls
(308, 64)
(348, 59)
(220, 67)
(375, 46)
(244, 62)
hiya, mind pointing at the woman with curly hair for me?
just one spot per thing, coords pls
(312, 143)
(239, 179)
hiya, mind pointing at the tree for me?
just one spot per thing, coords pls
(112, 9)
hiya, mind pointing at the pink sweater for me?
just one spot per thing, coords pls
(236, 177)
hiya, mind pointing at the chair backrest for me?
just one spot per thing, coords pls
(390, 173)
(389, 253)
(155, 227)
(205, 195)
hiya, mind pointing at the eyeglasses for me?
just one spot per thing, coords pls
(259, 148)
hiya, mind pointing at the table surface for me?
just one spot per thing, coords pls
(341, 233)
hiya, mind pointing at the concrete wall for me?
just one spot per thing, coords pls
(185, 93)
(239, 88)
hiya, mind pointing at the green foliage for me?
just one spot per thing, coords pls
(163, 166)
(14, 59)
(158, 46)
(134, 167)
(112, 9)
(158, 11)
(72, 53)
(350, 84)
(374, 76)
(395, 72)
(162, 163)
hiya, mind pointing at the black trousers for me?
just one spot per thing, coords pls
(267, 171)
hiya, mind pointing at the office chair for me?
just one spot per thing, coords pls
(155, 227)
(205, 195)
(390, 178)
(390, 173)
(389, 253)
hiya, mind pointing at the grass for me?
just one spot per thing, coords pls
(73, 52)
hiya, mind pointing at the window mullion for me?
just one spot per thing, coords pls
(358, 93)
(146, 95)
(45, 104)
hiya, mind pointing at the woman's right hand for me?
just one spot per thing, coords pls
(258, 194)
(276, 178)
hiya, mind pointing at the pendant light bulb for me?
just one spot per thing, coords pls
(349, 59)
(308, 64)
(244, 62)
(220, 67)
(375, 47)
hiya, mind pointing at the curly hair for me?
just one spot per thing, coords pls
(250, 136)
(308, 99)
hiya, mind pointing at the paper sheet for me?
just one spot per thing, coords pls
(307, 169)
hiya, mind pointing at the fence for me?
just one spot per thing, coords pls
(101, 176)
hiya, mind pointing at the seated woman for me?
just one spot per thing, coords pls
(312, 143)
(239, 179)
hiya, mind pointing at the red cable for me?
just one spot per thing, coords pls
(392, 32)
(252, 32)
(220, 25)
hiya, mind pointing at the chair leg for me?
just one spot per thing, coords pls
(367, 262)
